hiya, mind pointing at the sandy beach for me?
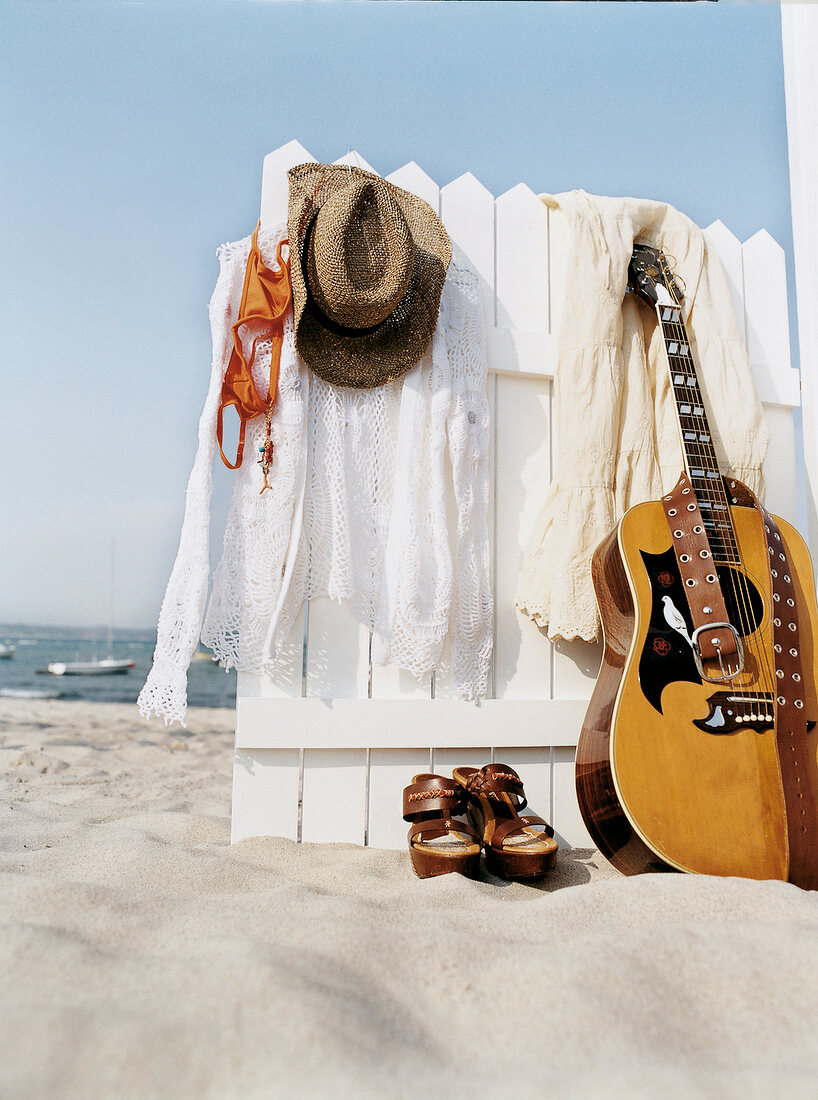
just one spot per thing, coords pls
(143, 956)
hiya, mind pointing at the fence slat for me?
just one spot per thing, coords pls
(275, 188)
(287, 683)
(265, 793)
(533, 765)
(445, 758)
(337, 652)
(390, 770)
(521, 249)
(728, 248)
(522, 468)
(405, 723)
(576, 665)
(571, 831)
(782, 487)
(391, 682)
(355, 159)
(467, 210)
(334, 795)
(766, 311)
(411, 177)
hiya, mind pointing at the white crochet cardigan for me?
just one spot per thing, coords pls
(358, 510)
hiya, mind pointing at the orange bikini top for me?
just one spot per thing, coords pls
(265, 300)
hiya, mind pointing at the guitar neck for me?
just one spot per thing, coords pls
(697, 439)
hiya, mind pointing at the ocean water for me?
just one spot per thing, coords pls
(208, 685)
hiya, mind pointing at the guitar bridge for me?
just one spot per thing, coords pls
(727, 672)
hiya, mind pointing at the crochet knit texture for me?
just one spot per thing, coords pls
(358, 511)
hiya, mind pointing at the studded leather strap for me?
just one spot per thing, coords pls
(790, 716)
(695, 560)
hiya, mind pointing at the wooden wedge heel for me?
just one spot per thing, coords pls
(516, 847)
(439, 844)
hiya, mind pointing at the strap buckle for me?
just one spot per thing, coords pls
(726, 672)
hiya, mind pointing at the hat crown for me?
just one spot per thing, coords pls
(360, 255)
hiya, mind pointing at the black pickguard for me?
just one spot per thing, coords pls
(667, 656)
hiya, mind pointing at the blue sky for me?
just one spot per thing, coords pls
(132, 138)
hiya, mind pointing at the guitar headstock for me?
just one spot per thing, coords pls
(650, 277)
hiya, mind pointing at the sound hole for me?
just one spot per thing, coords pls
(742, 599)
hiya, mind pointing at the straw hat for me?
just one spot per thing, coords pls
(367, 264)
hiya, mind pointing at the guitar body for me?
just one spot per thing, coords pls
(670, 773)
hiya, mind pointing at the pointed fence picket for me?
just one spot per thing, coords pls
(324, 751)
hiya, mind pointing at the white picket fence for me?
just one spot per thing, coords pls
(323, 754)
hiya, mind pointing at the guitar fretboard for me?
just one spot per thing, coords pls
(697, 439)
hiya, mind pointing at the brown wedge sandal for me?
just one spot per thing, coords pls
(437, 843)
(516, 847)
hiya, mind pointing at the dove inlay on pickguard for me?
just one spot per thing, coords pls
(667, 655)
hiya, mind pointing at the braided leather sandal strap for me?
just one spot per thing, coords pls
(517, 825)
(495, 779)
(433, 793)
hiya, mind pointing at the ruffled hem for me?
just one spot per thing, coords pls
(556, 589)
(164, 694)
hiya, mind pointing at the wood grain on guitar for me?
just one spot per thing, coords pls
(693, 756)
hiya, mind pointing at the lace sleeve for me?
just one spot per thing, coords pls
(180, 619)
(472, 611)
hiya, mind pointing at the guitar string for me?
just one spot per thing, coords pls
(706, 456)
(703, 451)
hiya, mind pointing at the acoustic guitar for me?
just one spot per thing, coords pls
(698, 752)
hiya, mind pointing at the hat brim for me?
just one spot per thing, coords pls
(373, 356)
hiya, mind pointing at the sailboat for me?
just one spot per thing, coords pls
(105, 667)
(108, 665)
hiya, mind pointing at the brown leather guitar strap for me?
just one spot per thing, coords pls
(695, 561)
(790, 716)
(706, 603)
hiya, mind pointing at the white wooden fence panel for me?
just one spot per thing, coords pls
(361, 732)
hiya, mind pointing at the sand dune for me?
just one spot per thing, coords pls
(144, 957)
